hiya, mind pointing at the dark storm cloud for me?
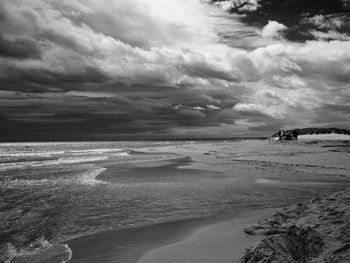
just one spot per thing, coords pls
(108, 69)
(51, 115)
(19, 48)
(338, 108)
(28, 76)
(334, 113)
(206, 71)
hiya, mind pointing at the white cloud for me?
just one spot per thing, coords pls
(329, 27)
(70, 47)
(213, 107)
(273, 30)
(330, 35)
(328, 22)
(174, 44)
(258, 108)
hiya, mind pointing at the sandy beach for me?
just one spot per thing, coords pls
(305, 168)
(196, 240)
(221, 242)
(175, 202)
(174, 131)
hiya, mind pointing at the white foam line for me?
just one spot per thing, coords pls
(60, 161)
(32, 154)
(267, 181)
(96, 150)
(70, 254)
(26, 165)
(48, 153)
(90, 177)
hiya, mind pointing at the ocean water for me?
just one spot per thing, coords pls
(61, 191)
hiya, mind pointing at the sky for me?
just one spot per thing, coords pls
(148, 69)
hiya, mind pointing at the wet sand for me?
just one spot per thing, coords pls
(192, 241)
(131, 244)
(128, 245)
(187, 200)
(215, 239)
(223, 242)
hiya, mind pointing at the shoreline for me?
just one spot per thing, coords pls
(179, 235)
(128, 245)
(305, 171)
(134, 245)
(251, 236)
(316, 229)
(218, 242)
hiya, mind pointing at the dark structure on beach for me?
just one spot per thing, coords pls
(293, 134)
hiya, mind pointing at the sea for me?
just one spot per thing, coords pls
(64, 191)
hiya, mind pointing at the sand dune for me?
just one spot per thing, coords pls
(328, 137)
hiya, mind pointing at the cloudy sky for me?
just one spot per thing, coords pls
(124, 69)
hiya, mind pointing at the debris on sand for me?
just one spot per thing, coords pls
(314, 231)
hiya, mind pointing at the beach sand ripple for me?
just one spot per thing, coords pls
(314, 231)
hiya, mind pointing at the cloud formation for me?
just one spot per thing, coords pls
(328, 27)
(159, 68)
(273, 30)
(241, 6)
